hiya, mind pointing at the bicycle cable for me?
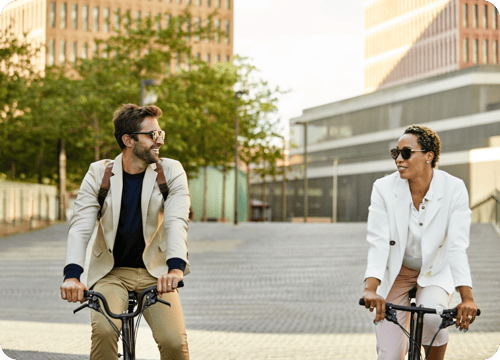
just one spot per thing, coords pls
(115, 328)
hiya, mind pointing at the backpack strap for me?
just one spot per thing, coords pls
(103, 191)
(160, 179)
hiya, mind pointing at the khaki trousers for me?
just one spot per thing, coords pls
(166, 323)
(392, 343)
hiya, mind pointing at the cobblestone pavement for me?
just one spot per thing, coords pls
(256, 291)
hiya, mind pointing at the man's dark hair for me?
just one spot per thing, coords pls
(128, 118)
(427, 139)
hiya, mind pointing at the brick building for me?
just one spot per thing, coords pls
(69, 27)
(411, 40)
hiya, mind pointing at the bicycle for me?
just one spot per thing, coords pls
(416, 326)
(135, 307)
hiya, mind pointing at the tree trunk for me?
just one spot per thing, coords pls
(205, 193)
(224, 175)
(62, 180)
(13, 169)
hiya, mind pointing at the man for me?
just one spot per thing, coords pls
(141, 239)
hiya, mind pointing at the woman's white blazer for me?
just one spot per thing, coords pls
(445, 232)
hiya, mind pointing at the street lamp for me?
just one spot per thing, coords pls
(145, 82)
(283, 199)
(236, 130)
(305, 169)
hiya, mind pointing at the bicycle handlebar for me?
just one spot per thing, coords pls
(150, 293)
(423, 310)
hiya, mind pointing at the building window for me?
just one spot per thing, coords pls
(188, 2)
(209, 3)
(178, 62)
(228, 4)
(227, 32)
(95, 50)
(495, 18)
(474, 19)
(198, 27)
(198, 3)
(52, 16)
(96, 18)
(64, 8)
(73, 52)
(217, 4)
(218, 58)
(85, 50)
(106, 20)
(208, 59)
(62, 53)
(209, 27)
(227, 58)
(475, 51)
(198, 56)
(217, 29)
(117, 20)
(495, 52)
(167, 19)
(485, 16)
(187, 65)
(52, 46)
(74, 16)
(85, 18)
(138, 17)
(466, 50)
(465, 16)
(179, 2)
(105, 52)
(485, 51)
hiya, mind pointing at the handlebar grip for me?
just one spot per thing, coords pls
(86, 293)
(478, 312)
(180, 284)
(362, 302)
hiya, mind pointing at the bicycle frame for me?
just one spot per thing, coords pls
(135, 307)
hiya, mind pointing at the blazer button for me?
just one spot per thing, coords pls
(421, 224)
(392, 243)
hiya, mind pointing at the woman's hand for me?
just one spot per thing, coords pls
(373, 300)
(466, 310)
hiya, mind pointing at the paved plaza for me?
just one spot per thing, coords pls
(256, 291)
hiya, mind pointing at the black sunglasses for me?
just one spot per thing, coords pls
(155, 135)
(405, 152)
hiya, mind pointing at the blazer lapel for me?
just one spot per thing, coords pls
(402, 211)
(147, 190)
(434, 201)
(116, 186)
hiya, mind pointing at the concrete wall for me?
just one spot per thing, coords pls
(23, 202)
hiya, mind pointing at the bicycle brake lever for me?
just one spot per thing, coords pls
(447, 321)
(390, 315)
(163, 301)
(81, 308)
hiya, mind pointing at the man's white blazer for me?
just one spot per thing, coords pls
(445, 232)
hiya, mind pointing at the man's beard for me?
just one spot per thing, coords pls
(145, 155)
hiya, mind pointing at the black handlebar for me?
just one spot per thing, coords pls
(422, 310)
(150, 294)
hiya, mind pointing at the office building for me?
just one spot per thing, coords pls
(69, 28)
(463, 107)
(407, 40)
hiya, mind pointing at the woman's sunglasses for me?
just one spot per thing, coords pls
(405, 152)
(155, 135)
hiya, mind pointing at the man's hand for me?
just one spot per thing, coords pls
(168, 283)
(72, 290)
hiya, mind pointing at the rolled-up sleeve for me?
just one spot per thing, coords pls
(176, 215)
(377, 236)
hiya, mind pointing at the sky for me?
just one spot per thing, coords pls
(314, 49)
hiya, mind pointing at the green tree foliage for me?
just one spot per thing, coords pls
(75, 102)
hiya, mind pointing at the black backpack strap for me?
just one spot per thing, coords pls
(103, 191)
(160, 179)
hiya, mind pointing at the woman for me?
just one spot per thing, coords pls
(418, 232)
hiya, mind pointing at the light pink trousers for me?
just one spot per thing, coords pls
(392, 343)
